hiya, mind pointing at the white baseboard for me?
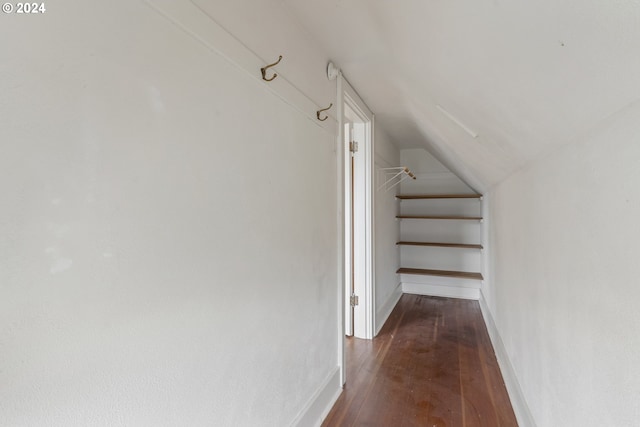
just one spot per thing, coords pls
(383, 314)
(441, 291)
(518, 402)
(318, 407)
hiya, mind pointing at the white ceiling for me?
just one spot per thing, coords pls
(525, 76)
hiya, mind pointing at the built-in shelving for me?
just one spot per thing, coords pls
(458, 225)
(442, 245)
(450, 217)
(443, 273)
(438, 196)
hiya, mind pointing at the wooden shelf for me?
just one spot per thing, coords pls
(442, 245)
(442, 273)
(469, 218)
(438, 196)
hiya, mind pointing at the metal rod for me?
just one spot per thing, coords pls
(401, 171)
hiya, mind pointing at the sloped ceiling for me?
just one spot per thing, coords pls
(526, 76)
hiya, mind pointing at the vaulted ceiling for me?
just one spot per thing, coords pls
(522, 77)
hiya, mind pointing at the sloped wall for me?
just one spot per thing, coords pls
(565, 239)
(432, 176)
(169, 237)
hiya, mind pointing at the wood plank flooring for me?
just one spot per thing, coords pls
(431, 365)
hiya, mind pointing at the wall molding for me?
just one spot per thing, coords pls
(318, 406)
(518, 402)
(385, 310)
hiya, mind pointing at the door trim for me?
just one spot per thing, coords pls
(347, 95)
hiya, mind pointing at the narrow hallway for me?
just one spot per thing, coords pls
(431, 365)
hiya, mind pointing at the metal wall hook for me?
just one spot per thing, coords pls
(266, 67)
(324, 109)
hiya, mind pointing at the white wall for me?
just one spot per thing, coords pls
(565, 240)
(168, 250)
(432, 176)
(387, 231)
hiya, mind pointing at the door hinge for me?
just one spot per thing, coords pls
(353, 146)
(354, 300)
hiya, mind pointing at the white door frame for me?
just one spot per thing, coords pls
(365, 318)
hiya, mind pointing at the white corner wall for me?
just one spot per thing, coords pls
(432, 176)
(169, 234)
(564, 293)
(387, 231)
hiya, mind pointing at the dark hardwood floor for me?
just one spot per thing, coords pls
(431, 365)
